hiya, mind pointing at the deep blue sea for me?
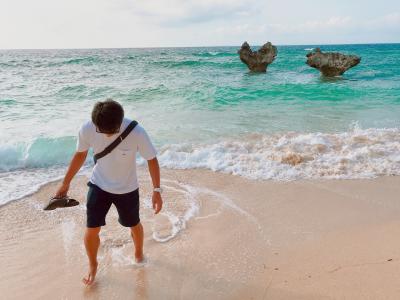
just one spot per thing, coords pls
(204, 109)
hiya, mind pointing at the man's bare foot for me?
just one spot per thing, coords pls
(139, 257)
(89, 279)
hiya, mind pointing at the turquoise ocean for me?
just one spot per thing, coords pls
(204, 109)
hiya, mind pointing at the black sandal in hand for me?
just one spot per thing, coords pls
(60, 203)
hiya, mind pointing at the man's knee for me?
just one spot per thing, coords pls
(136, 227)
(92, 232)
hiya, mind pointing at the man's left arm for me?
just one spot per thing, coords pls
(154, 170)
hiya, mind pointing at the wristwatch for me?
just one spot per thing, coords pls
(159, 190)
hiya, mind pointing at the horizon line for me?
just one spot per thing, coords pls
(214, 46)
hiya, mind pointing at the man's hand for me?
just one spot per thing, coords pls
(62, 191)
(157, 202)
(76, 163)
(154, 170)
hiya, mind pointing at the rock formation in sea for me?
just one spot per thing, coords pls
(259, 60)
(331, 63)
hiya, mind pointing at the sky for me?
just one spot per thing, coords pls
(41, 24)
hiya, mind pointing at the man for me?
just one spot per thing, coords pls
(114, 179)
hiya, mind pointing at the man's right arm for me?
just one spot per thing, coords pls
(76, 163)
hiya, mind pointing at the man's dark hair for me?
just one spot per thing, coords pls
(107, 116)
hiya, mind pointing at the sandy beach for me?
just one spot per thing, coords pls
(276, 132)
(219, 237)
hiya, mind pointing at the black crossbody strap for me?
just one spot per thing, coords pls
(116, 142)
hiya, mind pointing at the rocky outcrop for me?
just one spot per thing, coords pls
(259, 60)
(331, 63)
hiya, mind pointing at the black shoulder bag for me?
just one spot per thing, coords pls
(115, 143)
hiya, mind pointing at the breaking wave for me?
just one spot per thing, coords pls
(354, 154)
(38, 153)
(359, 153)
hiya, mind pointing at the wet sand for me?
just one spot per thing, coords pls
(219, 237)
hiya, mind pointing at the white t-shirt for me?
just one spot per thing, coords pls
(116, 172)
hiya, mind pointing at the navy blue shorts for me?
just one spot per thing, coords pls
(99, 203)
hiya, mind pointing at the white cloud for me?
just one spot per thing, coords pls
(331, 27)
(152, 23)
(313, 26)
(391, 20)
(333, 22)
(177, 12)
(308, 27)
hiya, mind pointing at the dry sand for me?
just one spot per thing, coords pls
(234, 239)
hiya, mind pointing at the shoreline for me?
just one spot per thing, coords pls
(235, 238)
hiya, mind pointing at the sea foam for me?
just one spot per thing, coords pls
(358, 153)
(354, 154)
